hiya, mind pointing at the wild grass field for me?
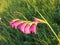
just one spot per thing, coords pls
(47, 34)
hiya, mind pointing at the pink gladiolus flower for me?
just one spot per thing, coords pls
(36, 20)
(17, 23)
(25, 26)
(13, 21)
(14, 24)
(33, 28)
(21, 26)
(26, 29)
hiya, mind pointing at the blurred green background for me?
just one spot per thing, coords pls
(25, 10)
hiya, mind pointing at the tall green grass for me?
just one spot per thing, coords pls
(47, 34)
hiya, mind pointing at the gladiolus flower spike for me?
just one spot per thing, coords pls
(25, 26)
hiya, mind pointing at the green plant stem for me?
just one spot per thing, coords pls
(47, 24)
(36, 9)
(53, 31)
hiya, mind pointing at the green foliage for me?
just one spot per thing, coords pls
(26, 10)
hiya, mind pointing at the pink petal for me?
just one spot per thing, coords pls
(33, 28)
(21, 26)
(14, 24)
(26, 29)
(13, 21)
(36, 20)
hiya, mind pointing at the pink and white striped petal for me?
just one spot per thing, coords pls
(22, 26)
(36, 20)
(13, 21)
(18, 23)
(33, 28)
(26, 29)
(14, 24)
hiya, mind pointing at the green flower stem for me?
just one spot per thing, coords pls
(47, 24)
(36, 9)
(53, 31)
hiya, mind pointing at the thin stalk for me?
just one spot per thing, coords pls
(47, 24)
(36, 9)
(53, 32)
